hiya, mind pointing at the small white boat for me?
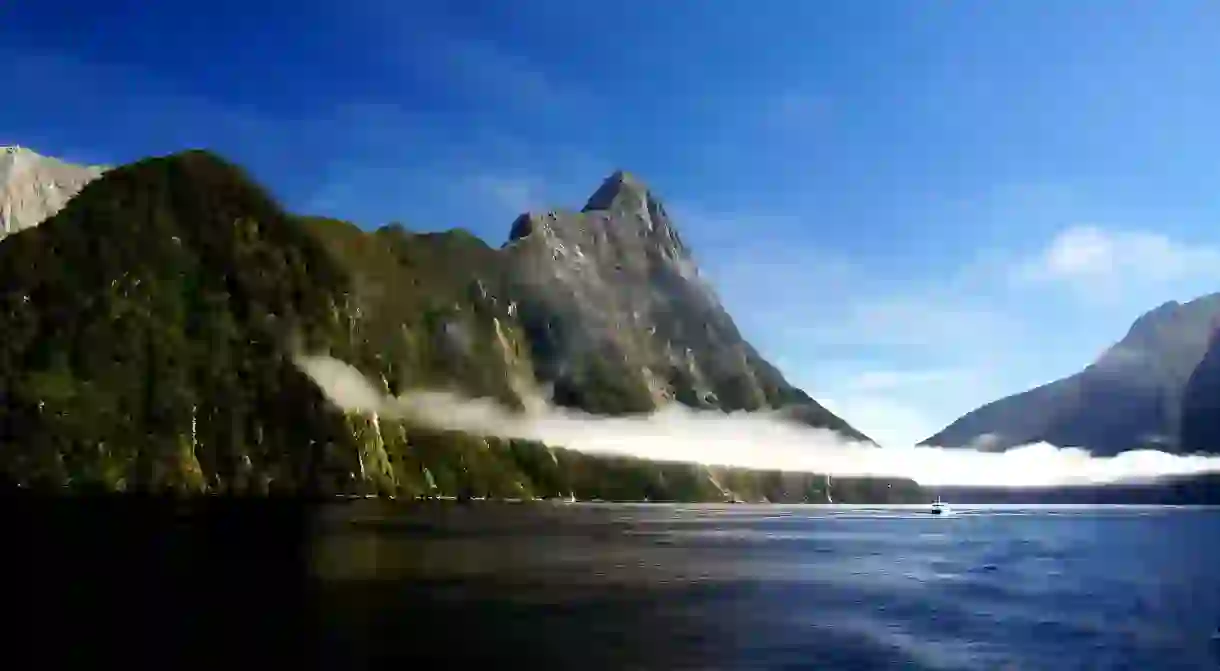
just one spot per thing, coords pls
(940, 507)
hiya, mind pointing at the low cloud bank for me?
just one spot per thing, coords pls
(751, 440)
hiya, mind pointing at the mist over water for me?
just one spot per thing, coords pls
(761, 440)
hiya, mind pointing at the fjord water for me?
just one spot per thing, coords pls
(817, 587)
(367, 584)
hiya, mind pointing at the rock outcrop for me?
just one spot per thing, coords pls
(34, 187)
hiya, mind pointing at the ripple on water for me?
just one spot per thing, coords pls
(861, 588)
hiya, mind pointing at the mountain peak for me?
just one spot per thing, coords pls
(624, 177)
(615, 188)
(1162, 311)
(622, 197)
(1173, 316)
(13, 156)
(18, 155)
(12, 149)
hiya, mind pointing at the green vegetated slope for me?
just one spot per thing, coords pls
(146, 337)
(149, 331)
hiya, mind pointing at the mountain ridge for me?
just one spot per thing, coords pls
(153, 322)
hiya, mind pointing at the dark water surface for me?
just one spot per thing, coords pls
(652, 586)
(378, 585)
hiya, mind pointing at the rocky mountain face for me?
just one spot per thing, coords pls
(1133, 396)
(34, 187)
(151, 328)
(612, 293)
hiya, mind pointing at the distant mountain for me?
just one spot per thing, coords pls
(1132, 396)
(150, 329)
(34, 187)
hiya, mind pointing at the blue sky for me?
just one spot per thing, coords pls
(912, 207)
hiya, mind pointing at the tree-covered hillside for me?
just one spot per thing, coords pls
(146, 337)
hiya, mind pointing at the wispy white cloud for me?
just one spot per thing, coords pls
(887, 419)
(968, 334)
(779, 282)
(950, 339)
(755, 440)
(1101, 263)
(898, 360)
